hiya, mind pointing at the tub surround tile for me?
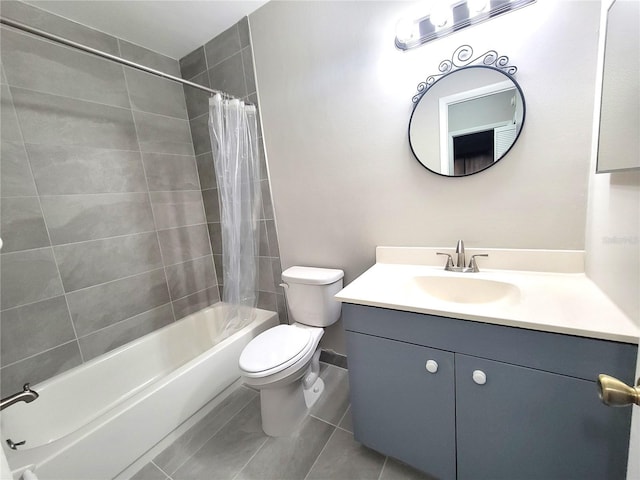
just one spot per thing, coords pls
(193, 64)
(161, 134)
(98, 307)
(91, 263)
(191, 277)
(211, 205)
(22, 225)
(197, 100)
(55, 120)
(177, 209)
(267, 301)
(44, 66)
(283, 314)
(215, 235)
(344, 458)
(228, 76)
(152, 94)
(39, 367)
(77, 218)
(46, 324)
(28, 277)
(262, 156)
(224, 455)
(272, 236)
(206, 171)
(197, 301)
(48, 22)
(247, 64)
(170, 459)
(267, 207)
(15, 176)
(217, 261)
(125, 331)
(263, 241)
(222, 46)
(289, 457)
(62, 170)
(265, 275)
(277, 273)
(171, 172)
(149, 58)
(9, 128)
(184, 243)
(73, 129)
(200, 134)
(243, 31)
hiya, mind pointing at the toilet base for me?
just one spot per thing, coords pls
(284, 407)
(311, 395)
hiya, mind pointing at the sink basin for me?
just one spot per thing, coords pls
(466, 289)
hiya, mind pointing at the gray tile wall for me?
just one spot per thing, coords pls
(102, 217)
(226, 63)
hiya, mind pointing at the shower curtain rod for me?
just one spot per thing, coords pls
(108, 56)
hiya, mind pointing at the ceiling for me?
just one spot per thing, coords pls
(173, 28)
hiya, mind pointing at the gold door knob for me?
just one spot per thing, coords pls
(615, 393)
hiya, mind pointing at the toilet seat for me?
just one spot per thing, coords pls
(276, 349)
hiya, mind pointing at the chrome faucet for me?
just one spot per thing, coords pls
(460, 260)
(460, 254)
(26, 395)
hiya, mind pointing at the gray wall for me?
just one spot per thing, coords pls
(226, 63)
(335, 97)
(105, 235)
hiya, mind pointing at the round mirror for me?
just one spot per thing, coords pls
(466, 121)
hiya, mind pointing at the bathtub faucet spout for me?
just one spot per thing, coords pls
(26, 395)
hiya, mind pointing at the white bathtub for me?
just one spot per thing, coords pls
(91, 422)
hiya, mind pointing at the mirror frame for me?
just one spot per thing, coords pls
(462, 59)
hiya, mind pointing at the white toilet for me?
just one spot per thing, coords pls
(283, 362)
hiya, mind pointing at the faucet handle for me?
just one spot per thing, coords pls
(449, 264)
(473, 266)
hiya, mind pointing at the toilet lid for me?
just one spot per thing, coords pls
(274, 347)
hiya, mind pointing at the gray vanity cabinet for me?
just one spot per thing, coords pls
(504, 403)
(528, 424)
(400, 408)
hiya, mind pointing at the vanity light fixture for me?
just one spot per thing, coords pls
(448, 16)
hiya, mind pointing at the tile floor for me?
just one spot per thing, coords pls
(229, 444)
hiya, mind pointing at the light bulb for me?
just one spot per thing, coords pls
(406, 30)
(477, 6)
(441, 14)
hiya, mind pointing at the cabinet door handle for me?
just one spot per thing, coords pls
(431, 366)
(479, 377)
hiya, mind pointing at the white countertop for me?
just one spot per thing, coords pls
(558, 302)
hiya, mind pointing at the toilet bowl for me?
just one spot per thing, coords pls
(284, 361)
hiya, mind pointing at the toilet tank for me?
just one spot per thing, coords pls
(309, 293)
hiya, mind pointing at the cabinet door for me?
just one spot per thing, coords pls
(401, 409)
(529, 424)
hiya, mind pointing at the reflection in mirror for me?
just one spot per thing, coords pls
(466, 121)
(618, 141)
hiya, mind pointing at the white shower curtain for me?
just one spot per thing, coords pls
(233, 132)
